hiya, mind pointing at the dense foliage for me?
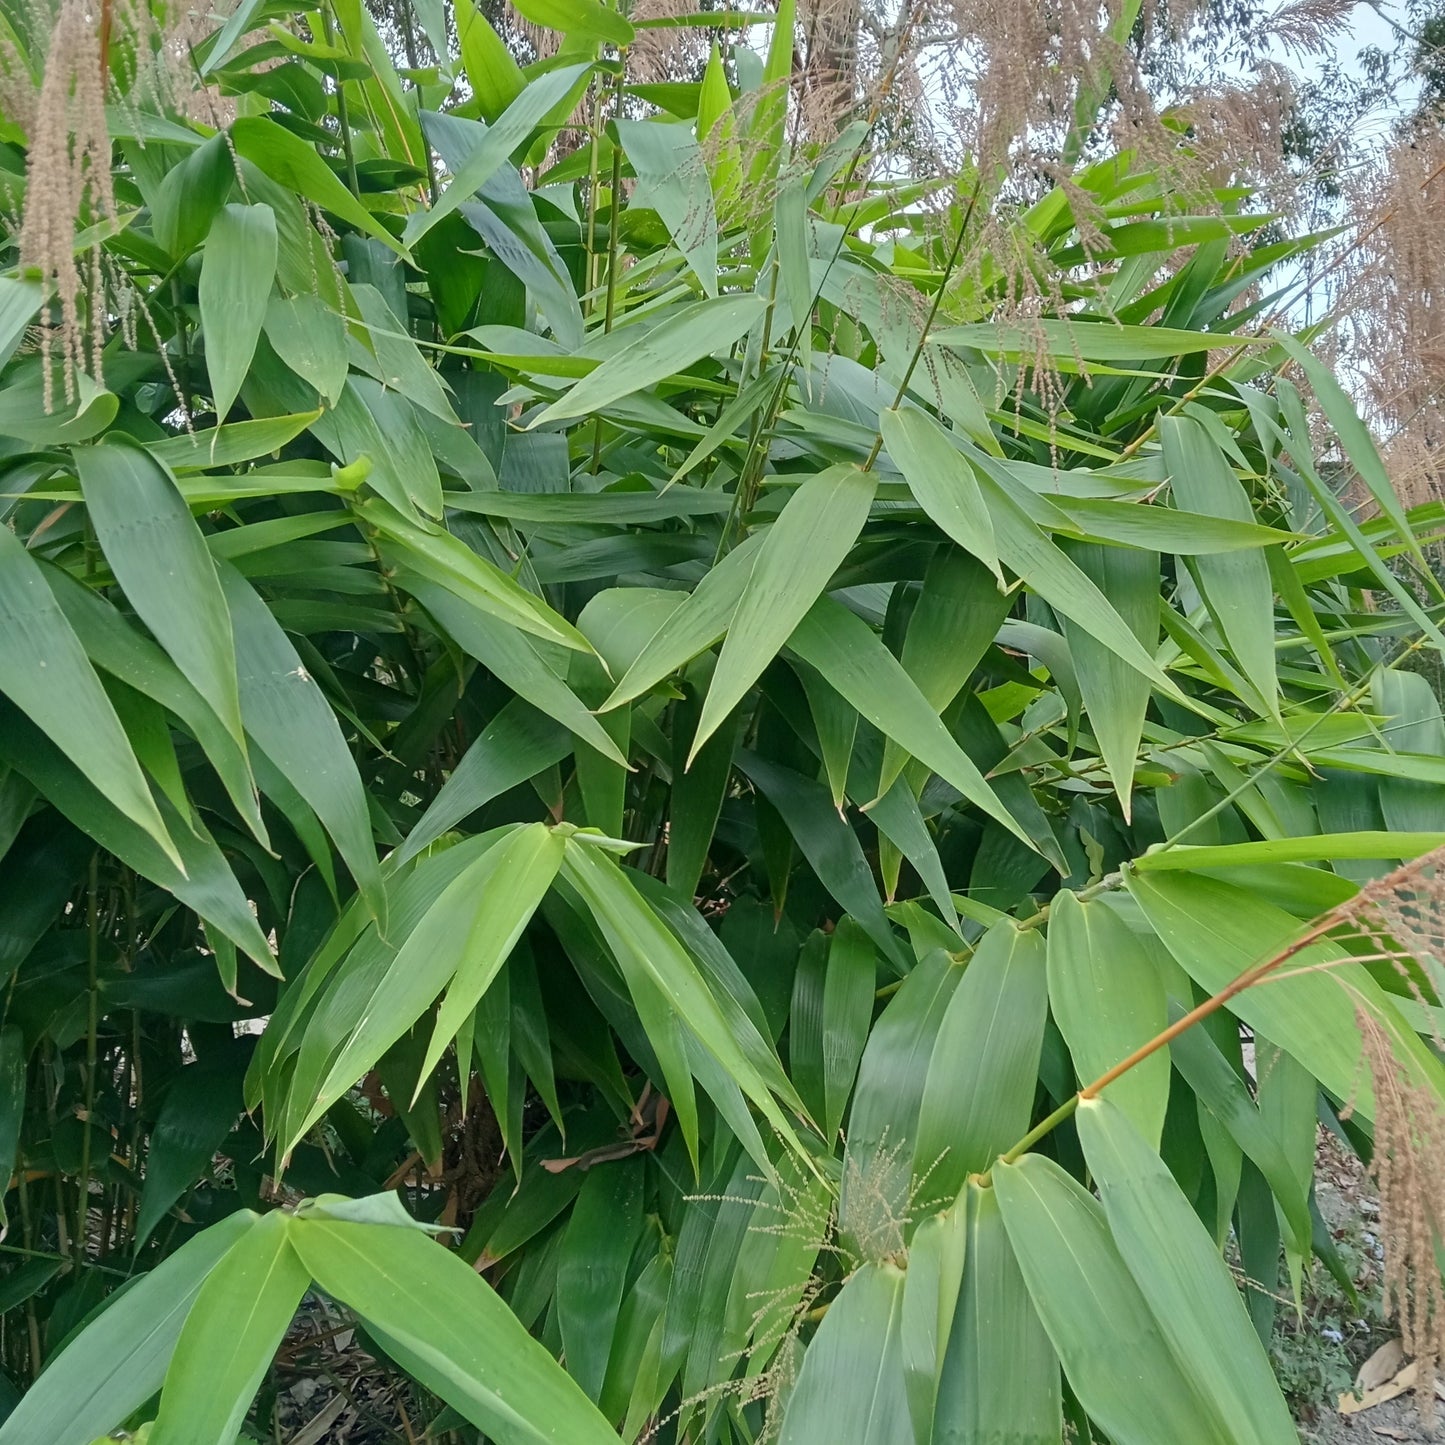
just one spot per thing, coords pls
(609, 700)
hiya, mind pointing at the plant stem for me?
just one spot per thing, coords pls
(343, 114)
(92, 1025)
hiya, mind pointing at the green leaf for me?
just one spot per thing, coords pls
(201, 1106)
(506, 133)
(13, 1057)
(517, 744)
(1183, 1278)
(1415, 726)
(1113, 1353)
(592, 1268)
(466, 1346)
(1374, 844)
(1216, 930)
(649, 955)
(463, 937)
(118, 1361)
(238, 266)
(293, 163)
(46, 674)
(1107, 998)
(505, 887)
(851, 1385)
(937, 1257)
(672, 178)
(813, 534)
(496, 78)
(877, 1162)
(942, 480)
(1116, 695)
(1066, 342)
(1000, 1376)
(1236, 586)
(161, 560)
(288, 717)
(984, 1067)
(230, 1336)
(224, 446)
(311, 339)
(847, 1014)
(850, 655)
(674, 343)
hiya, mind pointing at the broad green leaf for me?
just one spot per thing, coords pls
(984, 1067)
(311, 339)
(1374, 844)
(877, 1161)
(293, 163)
(496, 78)
(1183, 1278)
(1068, 341)
(1222, 1091)
(161, 560)
(1046, 569)
(798, 556)
(1165, 529)
(672, 178)
(504, 135)
(119, 1360)
(224, 446)
(648, 953)
(677, 341)
(238, 266)
(520, 871)
(937, 1257)
(1000, 1376)
(692, 627)
(592, 1267)
(851, 1386)
(1109, 1343)
(1414, 725)
(943, 482)
(230, 1336)
(466, 1346)
(1236, 586)
(13, 1057)
(1217, 930)
(517, 744)
(46, 674)
(1107, 997)
(592, 18)
(288, 717)
(462, 940)
(446, 560)
(850, 655)
(201, 879)
(19, 301)
(847, 1014)
(1116, 696)
(201, 1106)
(506, 652)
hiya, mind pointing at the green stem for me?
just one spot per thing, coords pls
(343, 114)
(92, 1025)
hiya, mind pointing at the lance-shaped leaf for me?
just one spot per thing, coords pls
(672, 178)
(46, 674)
(851, 1386)
(984, 1068)
(1116, 1360)
(238, 266)
(1107, 998)
(230, 1337)
(466, 1345)
(291, 721)
(1183, 1278)
(942, 481)
(797, 559)
(159, 557)
(1236, 586)
(118, 1361)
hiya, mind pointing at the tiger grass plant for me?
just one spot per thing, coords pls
(722, 793)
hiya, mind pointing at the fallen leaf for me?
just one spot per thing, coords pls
(1383, 1365)
(1405, 1380)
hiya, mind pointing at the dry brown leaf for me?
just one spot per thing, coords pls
(1404, 1381)
(1383, 1365)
